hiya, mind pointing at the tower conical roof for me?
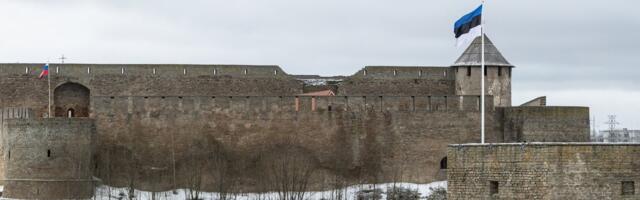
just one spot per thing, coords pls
(473, 55)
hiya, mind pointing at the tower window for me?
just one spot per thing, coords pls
(443, 163)
(494, 187)
(499, 71)
(485, 71)
(48, 153)
(70, 113)
(628, 188)
(468, 71)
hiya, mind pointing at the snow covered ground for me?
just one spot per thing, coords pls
(106, 192)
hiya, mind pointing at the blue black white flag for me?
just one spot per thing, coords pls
(468, 27)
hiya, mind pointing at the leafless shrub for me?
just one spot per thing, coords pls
(288, 169)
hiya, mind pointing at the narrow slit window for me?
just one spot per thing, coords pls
(485, 71)
(443, 163)
(499, 71)
(329, 108)
(275, 72)
(88, 70)
(57, 70)
(395, 72)
(468, 71)
(364, 72)
(246, 71)
(26, 70)
(494, 187)
(215, 71)
(628, 188)
(184, 71)
(48, 153)
(122, 70)
(154, 70)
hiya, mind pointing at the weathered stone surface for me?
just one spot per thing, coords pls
(159, 131)
(48, 158)
(542, 170)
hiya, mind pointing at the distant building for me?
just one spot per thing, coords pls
(621, 135)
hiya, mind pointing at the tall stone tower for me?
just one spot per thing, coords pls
(497, 72)
(48, 158)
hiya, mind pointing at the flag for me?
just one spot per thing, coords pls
(468, 27)
(45, 71)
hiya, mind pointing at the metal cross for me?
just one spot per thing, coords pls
(62, 58)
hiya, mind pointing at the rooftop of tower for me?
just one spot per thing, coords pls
(472, 56)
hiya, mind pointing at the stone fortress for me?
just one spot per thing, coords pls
(158, 127)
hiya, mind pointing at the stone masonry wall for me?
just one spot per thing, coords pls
(158, 143)
(48, 158)
(544, 171)
(545, 124)
(399, 81)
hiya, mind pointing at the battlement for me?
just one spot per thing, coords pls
(83, 70)
(404, 72)
(309, 103)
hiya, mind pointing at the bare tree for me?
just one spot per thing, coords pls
(289, 168)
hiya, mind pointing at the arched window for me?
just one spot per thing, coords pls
(71, 100)
(443, 163)
(70, 113)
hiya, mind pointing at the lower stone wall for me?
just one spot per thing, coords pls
(545, 124)
(544, 171)
(48, 158)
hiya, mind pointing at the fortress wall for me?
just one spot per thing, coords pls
(26, 90)
(395, 87)
(546, 124)
(543, 171)
(83, 70)
(399, 81)
(7, 114)
(143, 140)
(48, 158)
(404, 72)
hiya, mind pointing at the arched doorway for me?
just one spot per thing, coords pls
(71, 100)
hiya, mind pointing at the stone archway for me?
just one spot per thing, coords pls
(71, 100)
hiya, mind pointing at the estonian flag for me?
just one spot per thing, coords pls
(45, 71)
(468, 27)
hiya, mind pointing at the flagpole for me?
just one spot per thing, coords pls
(49, 86)
(482, 99)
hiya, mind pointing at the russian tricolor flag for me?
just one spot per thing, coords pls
(468, 27)
(45, 71)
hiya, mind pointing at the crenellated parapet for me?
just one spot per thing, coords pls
(168, 70)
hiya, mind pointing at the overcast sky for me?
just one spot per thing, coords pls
(576, 52)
